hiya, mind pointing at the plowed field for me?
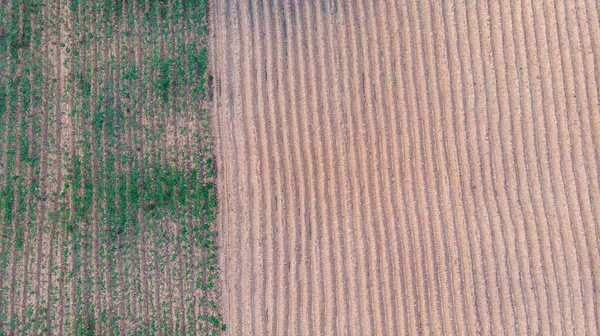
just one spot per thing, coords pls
(404, 167)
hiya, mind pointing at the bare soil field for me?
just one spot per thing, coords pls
(405, 167)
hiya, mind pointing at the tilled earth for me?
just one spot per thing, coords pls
(403, 167)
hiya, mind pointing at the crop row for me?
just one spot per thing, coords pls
(106, 175)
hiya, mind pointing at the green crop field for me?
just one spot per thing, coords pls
(107, 197)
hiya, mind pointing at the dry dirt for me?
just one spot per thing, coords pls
(402, 167)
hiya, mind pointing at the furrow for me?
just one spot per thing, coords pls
(586, 87)
(286, 202)
(568, 111)
(560, 231)
(59, 113)
(503, 164)
(229, 199)
(307, 166)
(331, 132)
(509, 88)
(262, 169)
(540, 170)
(43, 220)
(165, 241)
(379, 127)
(298, 171)
(592, 21)
(348, 152)
(96, 198)
(484, 100)
(456, 123)
(18, 170)
(423, 314)
(242, 119)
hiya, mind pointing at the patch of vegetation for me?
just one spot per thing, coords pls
(114, 182)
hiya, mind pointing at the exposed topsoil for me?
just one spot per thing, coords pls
(404, 167)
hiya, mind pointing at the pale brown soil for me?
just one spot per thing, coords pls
(404, 167)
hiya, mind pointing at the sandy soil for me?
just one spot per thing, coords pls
(397, 167)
